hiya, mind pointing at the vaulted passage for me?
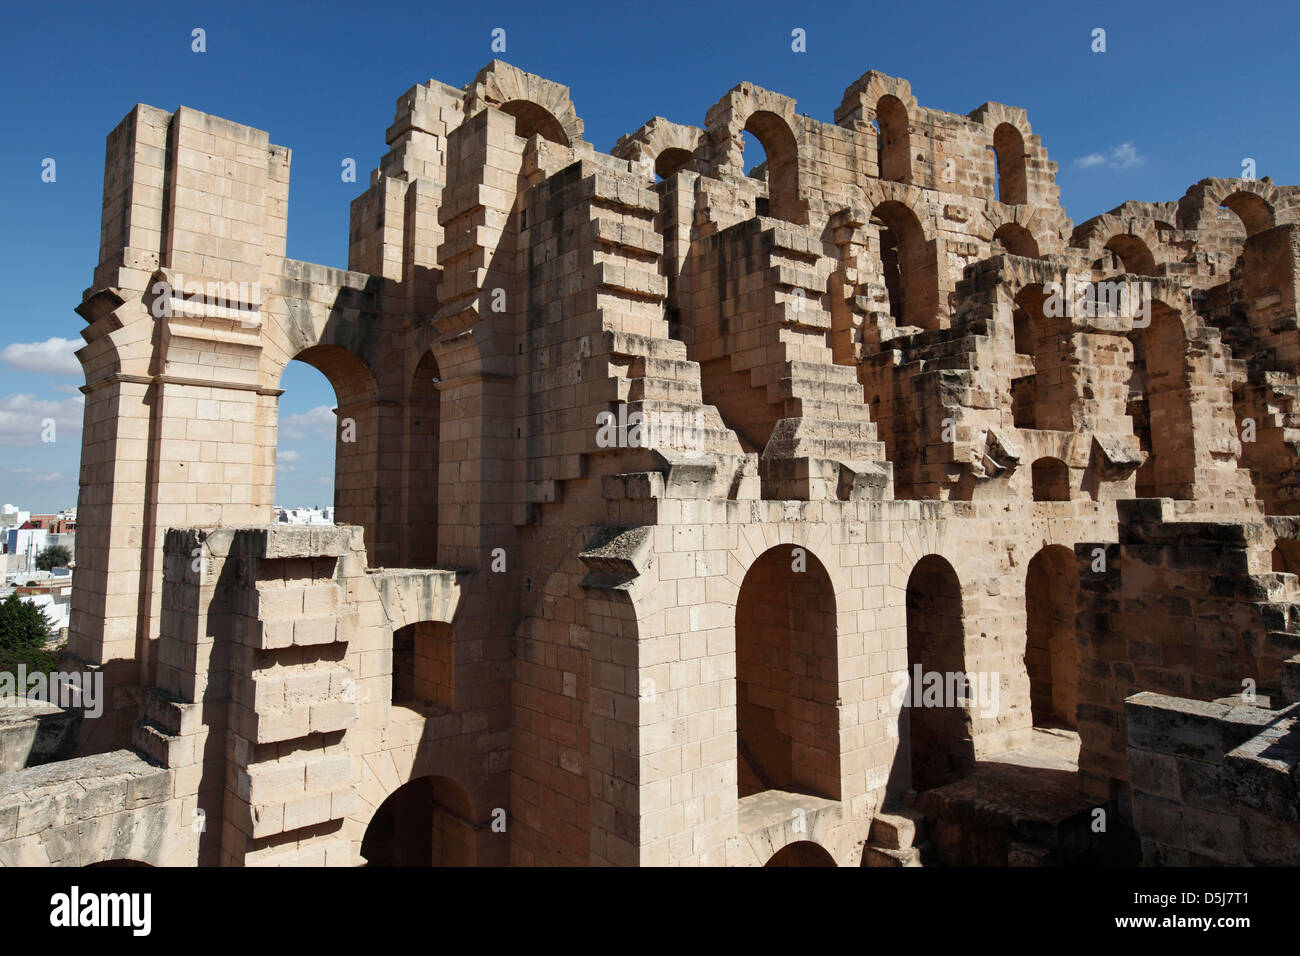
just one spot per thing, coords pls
(426, 822)
(908, 265)
(938, 726)
(801, 853)
(1051, 652)
(1160, 404)
(787, 677)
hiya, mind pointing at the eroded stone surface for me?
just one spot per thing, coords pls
(884, 444)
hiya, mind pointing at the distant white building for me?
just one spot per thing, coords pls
(13, 517)
(304, 515)
(57, 605)
(25, 544)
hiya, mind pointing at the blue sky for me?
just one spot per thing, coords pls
(1183, 91)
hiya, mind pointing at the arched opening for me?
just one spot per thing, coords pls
(1159, 402)
(801, 853)
(423, 437)
(787, 684)
(424, 666)
(426, 822)
(1051, 480)
(939, 734)
(908, 265)
(893, 140)
(1133, 254)
(354, 423)
(1041, 396)
(1014, 239)
(1051, 652)
(1255, 213)
(671, 161)
(781, 167)
(122, 862)
(1009, 158)
(532, 119)
(1024, 384)
(305, 442)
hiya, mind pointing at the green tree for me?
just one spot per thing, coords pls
(24, 631)
(55, 556)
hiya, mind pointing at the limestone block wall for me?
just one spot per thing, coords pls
(1182, 607)
(1210, 785)
(540, 649)
(686, 590)
(105, 808)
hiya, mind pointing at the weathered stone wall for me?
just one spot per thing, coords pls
(1213, 781)
(534, 645)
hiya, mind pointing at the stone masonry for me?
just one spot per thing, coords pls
(660, 472)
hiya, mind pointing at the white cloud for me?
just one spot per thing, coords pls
(54, 356)
(32, 478)
(23, 418)
(287, 455)
(319, 423)
(1123, 156)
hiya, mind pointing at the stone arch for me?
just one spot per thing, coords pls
(1027, 227)
(119, 862)
(1016, 240)
(528, 97)
(384, 772)
(801, 853)
(1134, 253)
(664, 146)
(356, 435)
(1160, 404)
(858, 107)
(1255, 202)
(772, 119)
(938, 727)
(1136, 243)
(427, 821)
(671, 161)
(1254, 211)
(787, 682)
(782, 162)
(1042, 397)
(893, 139)
(1009, 156)
(1011, 151)
(909, 264)
(1051, 650)
(1051, 479)
(534, 120)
